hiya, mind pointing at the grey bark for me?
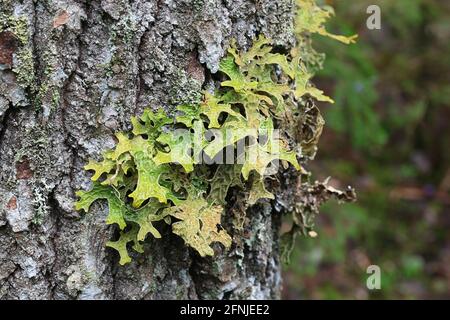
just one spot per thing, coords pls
(93, 64)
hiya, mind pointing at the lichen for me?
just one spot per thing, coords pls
(179, 170)
(56, 97)
(47, 92)
(39, 202)
(185, 90)
(24, 63)
(17, 25)
(123, 31)
(35, 148)
(24, 68)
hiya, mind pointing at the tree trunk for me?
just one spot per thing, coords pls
(72, 73)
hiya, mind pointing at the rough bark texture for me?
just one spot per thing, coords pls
(72, 73)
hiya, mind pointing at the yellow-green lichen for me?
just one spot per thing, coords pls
(24, 68)
(24, 62)
(17, 25)
(170, 170)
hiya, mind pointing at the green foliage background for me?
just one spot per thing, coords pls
(387, 135)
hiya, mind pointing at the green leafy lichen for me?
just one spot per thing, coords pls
(179, 171)
(198, 224)
(311, 18)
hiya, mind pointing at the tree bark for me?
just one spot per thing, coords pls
(72, 73)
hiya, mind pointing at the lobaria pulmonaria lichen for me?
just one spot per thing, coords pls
(169, 169)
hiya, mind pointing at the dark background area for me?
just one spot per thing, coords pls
(388, 136)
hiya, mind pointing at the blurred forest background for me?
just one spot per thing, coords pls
(388, 136)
